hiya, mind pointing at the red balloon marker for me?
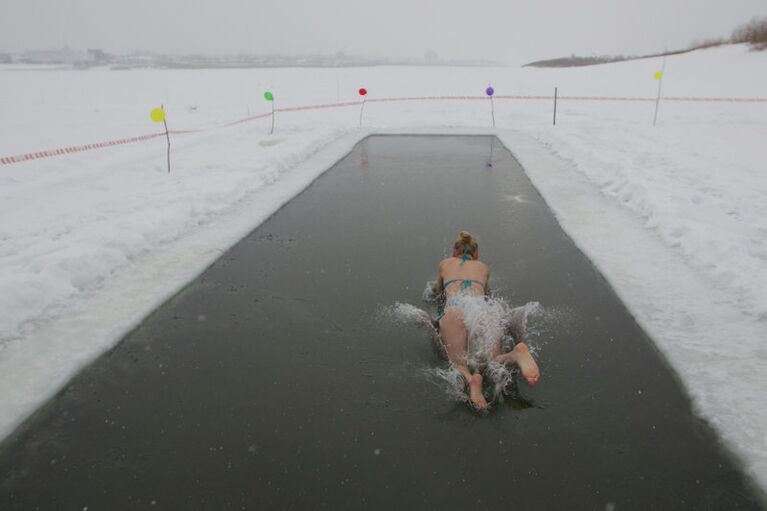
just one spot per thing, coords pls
(363, 91)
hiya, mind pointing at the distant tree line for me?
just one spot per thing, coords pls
(754, 33)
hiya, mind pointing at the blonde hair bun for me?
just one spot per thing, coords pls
(466, 243)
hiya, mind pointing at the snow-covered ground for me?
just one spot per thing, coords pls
(674, 215)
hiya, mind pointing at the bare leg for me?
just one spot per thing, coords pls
(520, 355)
(475, 392)
(455, 338)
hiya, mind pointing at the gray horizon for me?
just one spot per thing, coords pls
(505, 32)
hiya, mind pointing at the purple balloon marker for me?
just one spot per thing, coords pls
(489, 91)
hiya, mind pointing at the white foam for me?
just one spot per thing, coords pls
(490, 321)
(429, 292)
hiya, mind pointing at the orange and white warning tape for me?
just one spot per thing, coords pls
(87, 147)
(630, 98)
(75, 149)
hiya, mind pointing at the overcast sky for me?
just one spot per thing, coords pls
(508, 31)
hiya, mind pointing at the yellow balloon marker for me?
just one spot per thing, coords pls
(658, 75)
(157, 114)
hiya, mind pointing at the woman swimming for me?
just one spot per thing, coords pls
(463, 280)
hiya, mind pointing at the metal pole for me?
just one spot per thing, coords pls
(492, 110)
(364, 99)
(657, 99)
(272, 131)
(167, 136)
(555, 106)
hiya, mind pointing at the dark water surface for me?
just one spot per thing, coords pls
(274, 381)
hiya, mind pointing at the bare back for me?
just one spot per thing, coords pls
(472, 275)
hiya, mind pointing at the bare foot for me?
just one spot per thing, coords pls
(475, 392)
(520, 355)
(526, 363)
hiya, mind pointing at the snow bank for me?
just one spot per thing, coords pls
(673, 215)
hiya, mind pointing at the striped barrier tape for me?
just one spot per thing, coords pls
(8, 160)
(75, 149)
(630, 98)
(717, 100)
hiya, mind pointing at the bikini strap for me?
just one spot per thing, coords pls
(465, 283)
(465, 257)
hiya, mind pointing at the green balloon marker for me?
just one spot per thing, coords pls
(268, 96)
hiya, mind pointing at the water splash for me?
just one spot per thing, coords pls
(406, 314)
(429, 293)
(489, 320)
(450, 381)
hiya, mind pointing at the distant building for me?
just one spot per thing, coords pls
(431, 58)
(6, 58)
(64, 56)
(98, 57)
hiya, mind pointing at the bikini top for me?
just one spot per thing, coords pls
(465, 283)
